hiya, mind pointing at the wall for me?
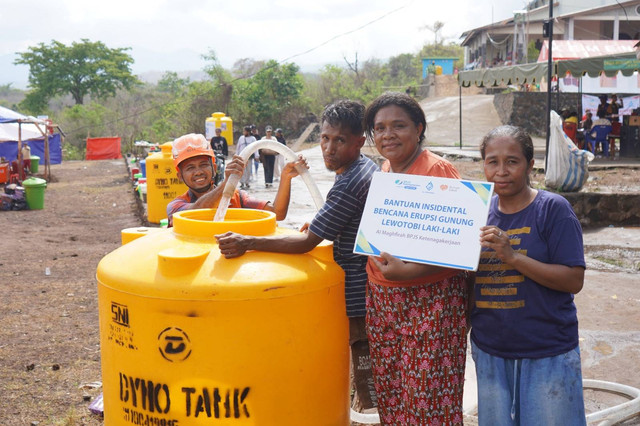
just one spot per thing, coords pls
(528, 109)
(598, 210)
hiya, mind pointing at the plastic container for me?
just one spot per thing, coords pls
(143, 168)
(129, 234)
(142, 187)
(134, 172)
(4, 172)
(218, 119)
(163, 184)
(35, 160)
(188, 337)
(34, 192)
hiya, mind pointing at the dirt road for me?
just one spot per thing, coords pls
(49, 340)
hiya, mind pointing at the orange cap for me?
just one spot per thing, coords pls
(191, 145)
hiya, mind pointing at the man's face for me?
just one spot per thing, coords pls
(339, 146)
(218, 132)
(197, 173)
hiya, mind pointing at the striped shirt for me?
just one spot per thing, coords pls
(338, 221)
(240, 199)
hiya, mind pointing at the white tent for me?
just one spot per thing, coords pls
(9, 132)
(18, 127)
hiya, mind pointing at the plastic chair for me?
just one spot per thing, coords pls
(615, 134)
(570, 129)
(599, 133)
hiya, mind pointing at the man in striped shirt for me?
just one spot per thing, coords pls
(341, 138)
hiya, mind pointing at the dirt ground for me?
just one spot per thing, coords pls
(49, 339)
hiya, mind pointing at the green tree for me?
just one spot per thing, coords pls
(268, 95)
(84, 68)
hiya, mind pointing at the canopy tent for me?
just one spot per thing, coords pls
(580, 49)
(626, 63)
(515, 74)
(10, 120)
(9, 149)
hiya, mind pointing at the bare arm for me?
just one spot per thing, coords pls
(235, 245)
(395, 269)
(554, 276)
(281, 204)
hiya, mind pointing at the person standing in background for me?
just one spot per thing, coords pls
(243, 142)
(219, 143)
(256, 160)
(268, 158)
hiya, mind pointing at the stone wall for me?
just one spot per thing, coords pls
(598, 210)
(527, 109)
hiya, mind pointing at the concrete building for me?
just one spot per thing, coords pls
(495, 44)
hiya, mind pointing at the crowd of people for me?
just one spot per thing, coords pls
(411, 319)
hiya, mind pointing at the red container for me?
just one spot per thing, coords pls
(4, 172)
(134, 172)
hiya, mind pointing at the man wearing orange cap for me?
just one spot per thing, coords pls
(193, 158)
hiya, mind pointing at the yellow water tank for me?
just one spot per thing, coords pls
(219, 119)
(188, 337)
(163, 184)
(438, 70)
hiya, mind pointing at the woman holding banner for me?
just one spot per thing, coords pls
(416, 314)
(525, 326)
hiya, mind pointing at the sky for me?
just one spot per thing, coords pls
(173, 35)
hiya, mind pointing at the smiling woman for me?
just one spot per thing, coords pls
(525, 324)
(416, 314)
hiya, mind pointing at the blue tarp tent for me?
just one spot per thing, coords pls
(17, 129)
(9, 149)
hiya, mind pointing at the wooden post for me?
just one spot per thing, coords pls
(21, 175)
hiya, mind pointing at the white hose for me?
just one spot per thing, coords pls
(232, 182)
(365, 418)
(618, 413)
(608, 416)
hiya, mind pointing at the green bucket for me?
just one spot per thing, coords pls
(34, 192)
(35, 160)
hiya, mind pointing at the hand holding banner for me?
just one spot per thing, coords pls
(425, 219)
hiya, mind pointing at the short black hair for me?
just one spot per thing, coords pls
(344, 114)
(247, 128)
(402, 100)
(518, 134)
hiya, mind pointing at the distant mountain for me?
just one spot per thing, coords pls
(153, 77)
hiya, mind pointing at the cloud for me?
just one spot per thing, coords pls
(180, 32)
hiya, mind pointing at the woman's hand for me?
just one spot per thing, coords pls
(395, 269)
(496, 239)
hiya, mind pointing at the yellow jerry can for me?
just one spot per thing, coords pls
(163, 184)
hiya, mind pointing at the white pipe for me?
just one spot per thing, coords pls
(618, 413)
(365, 418)
(232, 182)
(608, 416)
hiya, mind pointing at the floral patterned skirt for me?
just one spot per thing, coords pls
(418, 342)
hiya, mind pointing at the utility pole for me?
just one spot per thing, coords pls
(548, 26)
